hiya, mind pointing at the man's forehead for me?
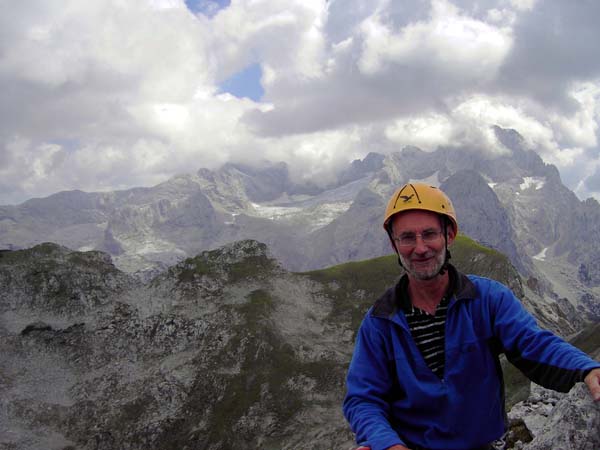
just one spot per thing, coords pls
(415, 219)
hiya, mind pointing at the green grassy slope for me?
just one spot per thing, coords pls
(354, 286)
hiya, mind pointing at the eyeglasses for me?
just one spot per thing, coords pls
(410, 239)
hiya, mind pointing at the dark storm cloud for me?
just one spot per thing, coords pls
(358, 100)
(45, 113)
(345, 16)
(555, 44)
(392, 61)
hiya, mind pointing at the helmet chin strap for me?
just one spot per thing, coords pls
(447, 256)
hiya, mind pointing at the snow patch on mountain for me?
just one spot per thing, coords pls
(275, 212)
(541, 256)
(327, 213)
(317, 216)
(532, 182)
(311, 212)
(147, 243)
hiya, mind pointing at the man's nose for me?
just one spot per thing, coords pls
(420, 245)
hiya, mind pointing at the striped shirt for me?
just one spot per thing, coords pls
(429, 334)
(428, 331)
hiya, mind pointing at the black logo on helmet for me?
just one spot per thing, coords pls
(406, 198)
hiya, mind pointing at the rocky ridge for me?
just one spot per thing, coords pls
(211, 354)
(548, 419)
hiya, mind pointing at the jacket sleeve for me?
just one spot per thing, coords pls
(369, 382)
(543, 357)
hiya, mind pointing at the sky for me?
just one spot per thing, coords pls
(112, 94)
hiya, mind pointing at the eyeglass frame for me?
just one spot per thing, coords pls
(413, 238)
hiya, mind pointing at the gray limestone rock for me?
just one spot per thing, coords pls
(481, 215)
(559, 421)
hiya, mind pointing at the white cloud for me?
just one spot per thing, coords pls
(566, 157)
(426, 132)
(468, 123)
(26, 168)
(317, 156)
(477, 111)
(448, 42)
(580, 127)
(286, 36)
(108, 94)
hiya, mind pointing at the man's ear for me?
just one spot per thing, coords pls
(451, 234)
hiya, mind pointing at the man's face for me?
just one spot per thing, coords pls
(423, 260)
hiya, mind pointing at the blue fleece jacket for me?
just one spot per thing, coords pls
(394, 398)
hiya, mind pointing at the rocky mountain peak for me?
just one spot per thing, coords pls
(46, 255)
(510, 138)
(527, 161)
(210, 271)
(481, 214)
(57, 282)
(238, 251)
(360, 168)
(263, 182)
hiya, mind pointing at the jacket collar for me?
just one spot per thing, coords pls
(396, 297)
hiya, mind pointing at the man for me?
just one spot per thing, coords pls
(425, 372)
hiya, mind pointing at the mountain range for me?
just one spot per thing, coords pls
(511, 201)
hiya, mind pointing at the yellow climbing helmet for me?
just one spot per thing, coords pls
(419, 196)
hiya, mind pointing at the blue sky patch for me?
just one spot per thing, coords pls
(68, 144)
(207, 7)
(245, 83)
